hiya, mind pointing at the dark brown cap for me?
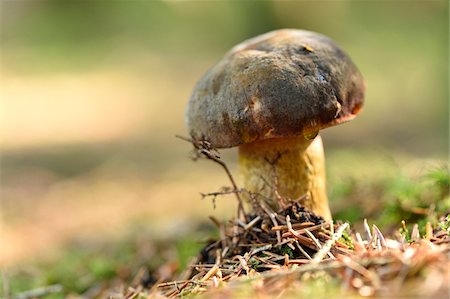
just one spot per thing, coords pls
(283, 83)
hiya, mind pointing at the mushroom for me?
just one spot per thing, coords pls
(270, 95)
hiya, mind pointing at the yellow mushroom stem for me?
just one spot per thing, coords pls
(294, 166)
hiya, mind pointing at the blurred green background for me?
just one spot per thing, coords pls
(93, 93)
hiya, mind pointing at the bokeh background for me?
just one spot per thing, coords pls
(93, 94)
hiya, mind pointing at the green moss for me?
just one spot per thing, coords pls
(346, 239)
(445, 224)
(388, 200)
(187, 249)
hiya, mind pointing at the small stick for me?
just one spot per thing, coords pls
(299, 261)
(217, 193)
(429, 230)
(262, 248)
(294, 226)
(271, 257)
(272, 217)
(379, 235)
(271, 266)
(306, 241)
(225, 251)
(265, 261)
(318, 244)
(327, 247)
(360, 242)
(204, 147)
(415, 235)
(367, 230)
(290, 246)
(243, 264)
(338, 243)
(215, 221)
(179, 289)
(331, 227)
(133, 292)
(252, 223)
(286, 260)
(304, 230)
(171, 283)
(210, 273)
(302, 250)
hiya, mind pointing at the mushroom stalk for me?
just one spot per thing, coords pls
(293, 166)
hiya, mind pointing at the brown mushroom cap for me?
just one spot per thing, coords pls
(283, 83)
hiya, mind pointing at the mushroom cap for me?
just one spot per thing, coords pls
(283, 83)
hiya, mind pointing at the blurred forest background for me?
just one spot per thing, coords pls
(93, 94)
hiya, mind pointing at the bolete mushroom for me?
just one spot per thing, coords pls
(270, 95)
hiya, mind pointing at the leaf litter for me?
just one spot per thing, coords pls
(269, 251)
